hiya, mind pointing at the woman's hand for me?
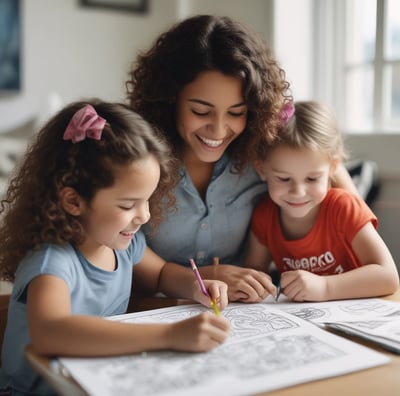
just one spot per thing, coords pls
(245, 284)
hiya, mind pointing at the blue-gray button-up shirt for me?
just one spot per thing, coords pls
(217, 226)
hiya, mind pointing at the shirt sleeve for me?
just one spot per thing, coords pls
(350, 213)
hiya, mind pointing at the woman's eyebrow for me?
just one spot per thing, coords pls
(205, 103)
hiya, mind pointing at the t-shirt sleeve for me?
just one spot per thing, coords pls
(47, 260)
(352, 213)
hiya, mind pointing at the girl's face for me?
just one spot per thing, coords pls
(116, 213)
(211, 113)
(298, 179)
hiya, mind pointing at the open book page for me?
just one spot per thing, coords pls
(268, 349)
(384, 332)
(373, 319)
(340, 310)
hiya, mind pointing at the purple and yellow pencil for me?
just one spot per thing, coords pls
(203, 287)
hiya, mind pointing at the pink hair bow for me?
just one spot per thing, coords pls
(85, 123)
(287, 112)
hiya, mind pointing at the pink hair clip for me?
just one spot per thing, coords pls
(85, 123)
(287, 112)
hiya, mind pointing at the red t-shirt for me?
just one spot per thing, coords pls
(326, 249)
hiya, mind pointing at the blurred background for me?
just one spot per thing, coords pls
(344, 52)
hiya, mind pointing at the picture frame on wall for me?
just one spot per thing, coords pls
(10, 46)
(140, 6)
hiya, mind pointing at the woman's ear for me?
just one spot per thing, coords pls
(71, 201)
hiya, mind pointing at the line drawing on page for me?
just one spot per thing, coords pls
(267, 349)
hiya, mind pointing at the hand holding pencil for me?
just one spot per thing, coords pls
(216, 290)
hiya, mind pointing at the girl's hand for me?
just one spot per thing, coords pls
(245, 284)
(217, 290)
(200, 333)
(304, 286)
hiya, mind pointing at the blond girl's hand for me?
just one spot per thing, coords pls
(303, 285)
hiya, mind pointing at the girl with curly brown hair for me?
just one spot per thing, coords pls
(70, 240)
(215, 91)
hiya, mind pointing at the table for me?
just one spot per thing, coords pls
(383, 380)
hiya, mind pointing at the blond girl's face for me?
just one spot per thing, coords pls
(298, 179)
(211, 113)
(116, 213)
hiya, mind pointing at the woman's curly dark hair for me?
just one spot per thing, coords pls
(203, 43)
(31, 210)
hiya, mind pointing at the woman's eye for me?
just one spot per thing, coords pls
(312, 179)
(241, 114)
(283, 179)
(200, 113)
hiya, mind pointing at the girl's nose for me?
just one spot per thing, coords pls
(142, 215)
(297, 188)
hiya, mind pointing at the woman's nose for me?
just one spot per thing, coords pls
(218, 127)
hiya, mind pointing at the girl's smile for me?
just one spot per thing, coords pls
(116, 213)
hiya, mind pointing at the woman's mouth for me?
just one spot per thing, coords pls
(211, 142)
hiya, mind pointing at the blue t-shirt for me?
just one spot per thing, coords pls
(93, 292)
(217, 226)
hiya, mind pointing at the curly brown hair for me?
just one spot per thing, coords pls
(31, 211)
(204, 43)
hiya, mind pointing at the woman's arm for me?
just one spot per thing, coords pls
(342, 179)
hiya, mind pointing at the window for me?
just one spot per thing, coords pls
(364, 69)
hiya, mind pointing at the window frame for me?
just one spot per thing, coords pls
(330, 66)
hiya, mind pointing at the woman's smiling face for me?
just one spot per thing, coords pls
(211, 113)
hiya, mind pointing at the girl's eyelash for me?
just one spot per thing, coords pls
(125, 208)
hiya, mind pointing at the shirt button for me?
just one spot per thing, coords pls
(204, 226)
(200, 255)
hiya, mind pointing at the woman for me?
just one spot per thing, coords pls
(213, 88)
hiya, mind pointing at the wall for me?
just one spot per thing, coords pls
(71, 51)
(256, 13)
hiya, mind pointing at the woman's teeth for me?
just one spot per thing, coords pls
(210, 142)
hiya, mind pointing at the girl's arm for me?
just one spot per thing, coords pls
(378, 275)
(257, 255)
(55, 331)
(176, 281)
